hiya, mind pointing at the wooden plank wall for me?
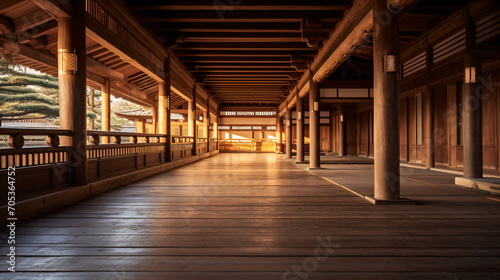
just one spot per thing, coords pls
(448, 150)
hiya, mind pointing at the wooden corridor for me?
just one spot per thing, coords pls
(256, 216)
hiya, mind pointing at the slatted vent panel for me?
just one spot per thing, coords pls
(449, 46)
(488, 27)
(414, 65)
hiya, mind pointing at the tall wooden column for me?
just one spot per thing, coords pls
(342, 137)
(140, 126)
(106, 109)
(206, 123)
(386, 105)
(192, 127)
(314, 125)
(288, 132)
(90, 109)
(206, 119)
(191, 118)
(428, 99)
(278, 134)
(216, 126)
(164, 122)
(472, 124)
(73, 88)
(300, 129)
(472, 109)
(154, 118)
(332, 131)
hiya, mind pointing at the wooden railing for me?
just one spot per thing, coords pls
(123, 143)
(18, 156)
(202, 145)
(212, 144)
(182, 147)
(48, 165)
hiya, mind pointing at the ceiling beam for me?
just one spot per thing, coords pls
(212, 7)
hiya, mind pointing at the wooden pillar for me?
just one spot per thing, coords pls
(342, 136)
(386, 105)
(216, 125)
(278, 134)
(106, 109)
(154, 117)
(73, 88)
(332, 131)
(164, 121)
(90, 109)
(216, 128)
(193, 128)
(472, 124)
(300, 129)
(140, 126)
(472, 109)
(314, 124)
(206, 123)
(428, 99)
(206, 118)
(191, 118)
(288, 133)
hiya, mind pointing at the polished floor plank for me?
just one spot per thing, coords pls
(261, 263)
(253, 251)
(256, 216)
(124, 275)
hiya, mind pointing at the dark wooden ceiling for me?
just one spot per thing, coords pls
(246, 53)
(249, 52)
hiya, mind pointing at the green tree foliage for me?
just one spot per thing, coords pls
(25, 95)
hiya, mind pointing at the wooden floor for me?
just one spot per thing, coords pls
(256, 216)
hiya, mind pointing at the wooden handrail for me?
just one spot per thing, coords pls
(28, 131)
(131, 145)
(129, 134)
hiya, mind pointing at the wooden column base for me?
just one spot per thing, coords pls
(315, 168)
(400, 201)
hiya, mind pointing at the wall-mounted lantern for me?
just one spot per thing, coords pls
(391, 63)
(470, 73)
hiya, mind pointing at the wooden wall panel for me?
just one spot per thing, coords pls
(440, 126)
(153, 159)
(364, 130)
(490, 126)
(403, 129)
(325, 138)
(116, 165)
(351, 133)
(93, 170)
(371, 134)
(455, 151)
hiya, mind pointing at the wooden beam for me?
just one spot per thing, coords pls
(128, 54)
(6, 5)
(37, 18)
(211, 7)
(58, 9)
(7, 24)
(101, 69)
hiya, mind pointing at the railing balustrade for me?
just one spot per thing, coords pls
(17, 155)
